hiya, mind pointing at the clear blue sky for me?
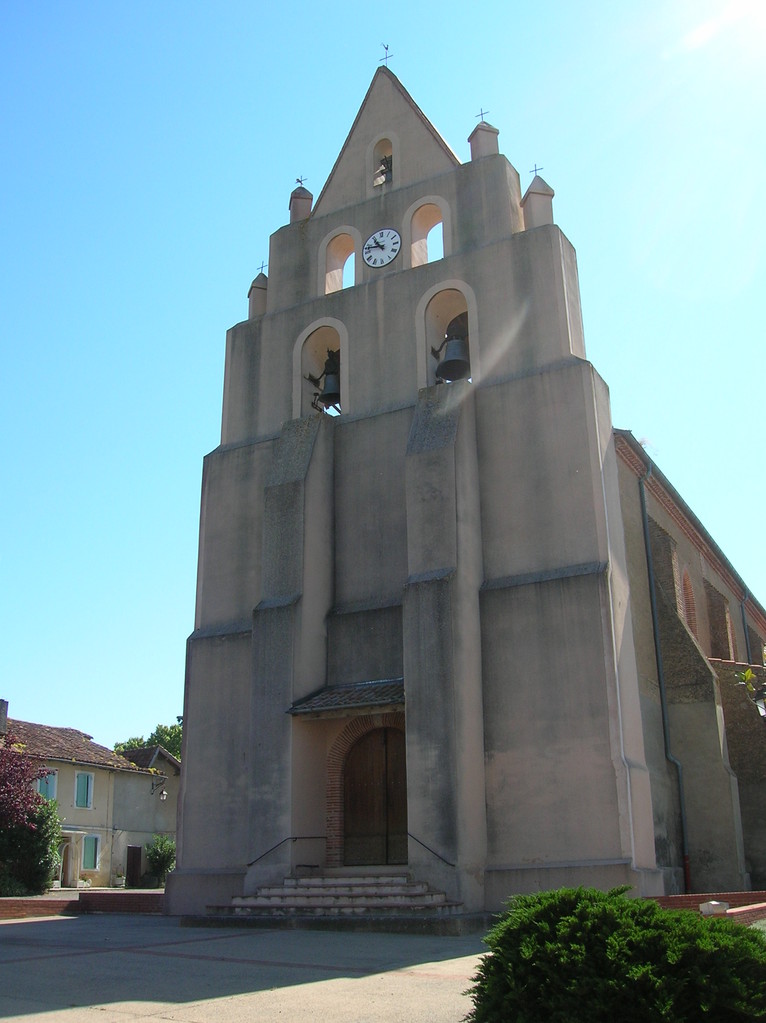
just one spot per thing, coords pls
(147, 152)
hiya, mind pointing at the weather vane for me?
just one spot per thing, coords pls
(384, 60)
(482, 114)
(536, 169)
(299, 181)
(263, 265)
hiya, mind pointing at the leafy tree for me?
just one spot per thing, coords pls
(161, 856)
(30, 830)
(18, 773)
(168, 736)
(584, 956)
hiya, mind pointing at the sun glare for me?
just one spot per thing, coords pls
(746, 15)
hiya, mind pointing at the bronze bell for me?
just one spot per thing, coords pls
(331, 391)
(456, 364)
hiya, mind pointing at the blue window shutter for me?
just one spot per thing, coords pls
(84, 793)
(90, 852)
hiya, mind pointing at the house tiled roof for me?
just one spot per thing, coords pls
(387, 692)
(50, 743)
(148, 757)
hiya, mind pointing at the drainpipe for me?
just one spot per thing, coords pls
(661, 681)
(748, 651)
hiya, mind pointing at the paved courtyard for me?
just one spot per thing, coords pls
(123, 967)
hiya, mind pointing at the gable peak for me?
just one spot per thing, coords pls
(391, 143)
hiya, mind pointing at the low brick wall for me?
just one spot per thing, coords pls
(13, 909)
(84, 901)
(120, 901)
(744, 907)
(694, 901)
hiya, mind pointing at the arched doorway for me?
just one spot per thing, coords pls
(375, 799)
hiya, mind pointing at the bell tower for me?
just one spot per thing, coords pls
(412, 643)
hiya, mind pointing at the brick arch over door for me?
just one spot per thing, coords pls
(336, 761)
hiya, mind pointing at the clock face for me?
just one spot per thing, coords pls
(382, 247)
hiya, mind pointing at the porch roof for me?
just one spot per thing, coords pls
(354, 698)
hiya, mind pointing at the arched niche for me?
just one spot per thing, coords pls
(438, 308)
(309, 359)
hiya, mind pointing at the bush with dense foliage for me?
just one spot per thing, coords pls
(161, 856)
(29, 852)
(585, 956)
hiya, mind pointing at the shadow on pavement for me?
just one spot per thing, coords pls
(65, 962)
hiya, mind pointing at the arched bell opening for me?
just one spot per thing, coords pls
(447, 337)
(382, 163)
(339, 264)
(427, 235)
(320, 372)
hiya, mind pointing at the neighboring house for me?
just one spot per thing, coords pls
(110, 807)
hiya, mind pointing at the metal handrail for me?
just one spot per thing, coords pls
(314, 838)
(428, 847)
(290, 838)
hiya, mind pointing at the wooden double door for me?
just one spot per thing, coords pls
(375, 800)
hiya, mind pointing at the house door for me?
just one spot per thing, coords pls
(375, 800)
(133, 867)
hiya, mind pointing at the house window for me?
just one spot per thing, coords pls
(83, 790)
(47, 786)
(90, 851)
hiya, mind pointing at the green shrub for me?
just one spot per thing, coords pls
(584, 956)
(29, 852)
(10, 888)
(161, 856)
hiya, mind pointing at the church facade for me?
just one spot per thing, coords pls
(450, 621)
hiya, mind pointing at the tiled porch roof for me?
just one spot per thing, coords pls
(358, 696)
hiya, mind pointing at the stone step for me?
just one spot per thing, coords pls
(314, 891)
(361, 899)
(343, 910)
(324, 880)
(340, 895)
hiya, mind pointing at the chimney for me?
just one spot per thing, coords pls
(3, 717)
